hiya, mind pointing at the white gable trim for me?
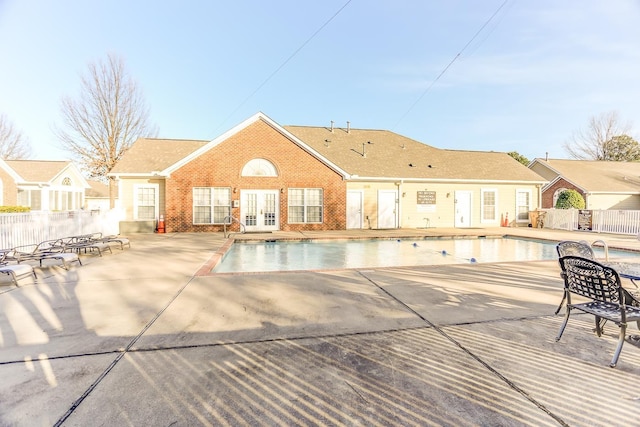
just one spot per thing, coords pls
(72, 168)
(228, 134)
(8, 169)
(558, 178)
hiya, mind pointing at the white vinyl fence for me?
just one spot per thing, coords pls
(600, 221)
(17, 229)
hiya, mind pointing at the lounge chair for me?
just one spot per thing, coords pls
(86, 243)
(607, 298)
(15, 271)
(49, 249)
(120, 240)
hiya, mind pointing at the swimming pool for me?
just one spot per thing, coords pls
(320, 255)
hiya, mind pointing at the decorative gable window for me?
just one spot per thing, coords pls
(259, 167)
(211, 205)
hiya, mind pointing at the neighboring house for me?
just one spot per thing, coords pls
(603, 184)
(296, 178)
(96, 198)
(42, 185)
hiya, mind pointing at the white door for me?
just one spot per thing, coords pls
(387, 209)
(259, 210)
(463, 208)
(354, 209)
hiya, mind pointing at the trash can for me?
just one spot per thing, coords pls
(533, 218)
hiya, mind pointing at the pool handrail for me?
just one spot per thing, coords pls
(230, 220)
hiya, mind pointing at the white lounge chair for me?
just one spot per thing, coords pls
(15, 271)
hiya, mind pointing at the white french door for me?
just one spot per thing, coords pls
(259, 210)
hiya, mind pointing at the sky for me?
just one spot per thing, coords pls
(490, 75)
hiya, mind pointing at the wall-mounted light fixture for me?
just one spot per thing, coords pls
(448, 194)
(235, 189)
(282, 191)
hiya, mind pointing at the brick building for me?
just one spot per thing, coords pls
(262, 176)
(603, 184)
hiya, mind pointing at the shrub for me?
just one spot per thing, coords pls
(14, 209)
(570, 199)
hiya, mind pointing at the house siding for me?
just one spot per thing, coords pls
(222, 166)
(442, 213)
(613, 201)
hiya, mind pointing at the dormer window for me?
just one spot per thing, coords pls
(259, 167)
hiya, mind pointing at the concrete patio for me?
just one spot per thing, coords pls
(147, 336)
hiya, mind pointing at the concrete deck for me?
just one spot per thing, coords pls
(147, 336)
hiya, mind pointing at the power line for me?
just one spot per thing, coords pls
(450, 63)
(286, 61)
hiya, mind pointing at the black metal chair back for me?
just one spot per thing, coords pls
(601, 286)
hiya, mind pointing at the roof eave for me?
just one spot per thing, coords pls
(442, 180)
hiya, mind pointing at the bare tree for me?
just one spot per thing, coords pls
(605, 138)
(13, 145)
(105, 120)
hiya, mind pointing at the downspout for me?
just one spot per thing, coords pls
(399, 204)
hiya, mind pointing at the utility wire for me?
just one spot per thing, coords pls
(455, 58)
(285, 62)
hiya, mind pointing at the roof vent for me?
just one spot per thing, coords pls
(331, 126)
(348, 126)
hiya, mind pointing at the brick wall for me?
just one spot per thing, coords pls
(222, 166)
(547, 195)
(9, 189)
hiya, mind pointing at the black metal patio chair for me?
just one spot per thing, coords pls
(606, 296)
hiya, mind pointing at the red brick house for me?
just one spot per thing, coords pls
(603, 184)
(269, 177)
(256, 172)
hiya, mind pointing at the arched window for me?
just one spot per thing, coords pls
(556, 194)
(259, 167)
(66, 181)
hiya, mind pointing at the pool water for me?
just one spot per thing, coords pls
(320, 255)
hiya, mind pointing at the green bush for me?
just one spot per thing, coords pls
(570, 199)
(14, 209)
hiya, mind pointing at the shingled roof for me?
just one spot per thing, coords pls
(379, 154)
(360, 153)
(37, 170)
(597, 176)
(149, 155)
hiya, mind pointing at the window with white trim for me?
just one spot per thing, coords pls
(523, 205)
(305, 205)
(259, 167)
(211, 205)
(489, 203)
(145, 206)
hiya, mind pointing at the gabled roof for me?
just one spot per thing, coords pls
(596, 176)
(99, 189)
(161, 157)
(353, 153)
(42, 171)
(149, 155)
(382, 154)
